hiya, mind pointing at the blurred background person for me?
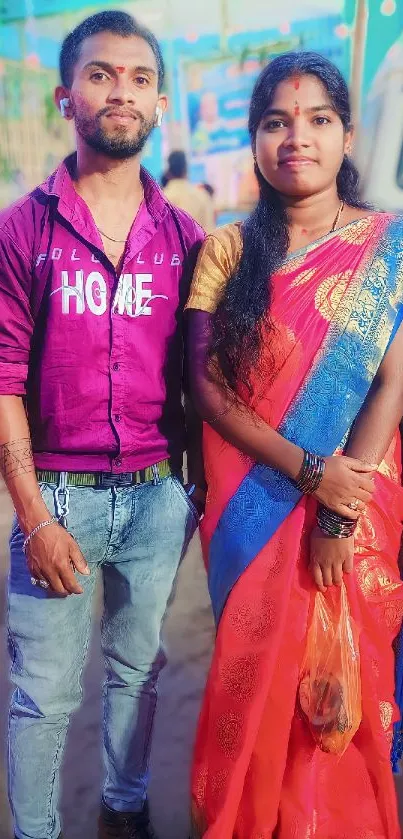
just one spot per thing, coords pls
(164, 179)
(187, 196)
(209, 189)
(211, 192)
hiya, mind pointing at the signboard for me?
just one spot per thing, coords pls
(217, 93)
(217, 97)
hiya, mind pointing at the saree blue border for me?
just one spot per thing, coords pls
(397, 744)
(320, 417)
(266, 497)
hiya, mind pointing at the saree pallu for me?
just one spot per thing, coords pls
(257, 773)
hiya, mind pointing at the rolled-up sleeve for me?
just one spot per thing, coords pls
(16, 321)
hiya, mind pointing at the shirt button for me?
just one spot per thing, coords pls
(116, 366)
(117, 417)
(118, 461)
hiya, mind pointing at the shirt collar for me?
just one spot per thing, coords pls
(60, 185)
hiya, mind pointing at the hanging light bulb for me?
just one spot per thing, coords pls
(388, 7)
(342, 31)
(33, 60)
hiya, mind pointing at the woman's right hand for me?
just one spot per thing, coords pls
(346, 481)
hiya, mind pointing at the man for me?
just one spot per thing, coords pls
(179, 191)
(94, 269)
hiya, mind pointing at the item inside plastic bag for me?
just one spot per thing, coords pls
(330, 683)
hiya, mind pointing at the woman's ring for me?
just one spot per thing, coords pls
(353, 505)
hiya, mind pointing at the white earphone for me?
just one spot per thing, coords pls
(158, 116)
(64, 103)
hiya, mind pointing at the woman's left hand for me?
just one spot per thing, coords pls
(197, 497)
(330, 557)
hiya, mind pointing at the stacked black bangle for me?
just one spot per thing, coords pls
(311, 473)
(332, 524)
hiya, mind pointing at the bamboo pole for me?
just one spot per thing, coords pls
(358, 48)
(224, 27)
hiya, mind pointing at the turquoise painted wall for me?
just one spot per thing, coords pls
(316, 34)
(17, 41)
(17, 9)
(383, 31)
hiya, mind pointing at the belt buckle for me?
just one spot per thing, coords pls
(124, 479)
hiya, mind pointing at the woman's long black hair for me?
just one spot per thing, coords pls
(241, 316)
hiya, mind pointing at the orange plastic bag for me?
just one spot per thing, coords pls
(330, 685)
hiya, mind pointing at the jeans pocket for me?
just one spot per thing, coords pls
(185, 497)
(47, 492)
(16, 536)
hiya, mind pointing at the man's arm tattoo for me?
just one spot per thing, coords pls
(16, 458)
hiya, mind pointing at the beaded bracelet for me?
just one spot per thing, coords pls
(36, 530)
(332, 524)
(311, 473)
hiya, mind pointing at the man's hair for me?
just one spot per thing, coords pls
(177, 165)
(118, 23)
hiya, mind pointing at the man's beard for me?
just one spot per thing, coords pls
(117, 145)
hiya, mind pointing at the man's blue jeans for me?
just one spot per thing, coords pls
(136, 536)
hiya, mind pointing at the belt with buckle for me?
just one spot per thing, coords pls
(107, 479)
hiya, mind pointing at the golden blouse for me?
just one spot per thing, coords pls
(218, 260)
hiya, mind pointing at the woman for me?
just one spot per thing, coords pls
(296, 350)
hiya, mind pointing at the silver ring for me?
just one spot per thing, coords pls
(353, 505)
(43, 583)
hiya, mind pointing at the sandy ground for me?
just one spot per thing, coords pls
(188, 634)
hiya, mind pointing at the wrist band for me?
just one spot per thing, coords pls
(311, 473)
(331, 524)
(36, 530)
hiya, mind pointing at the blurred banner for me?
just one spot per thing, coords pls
(218, 94)
(33, 137)
(209, 82)
(379, 150)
